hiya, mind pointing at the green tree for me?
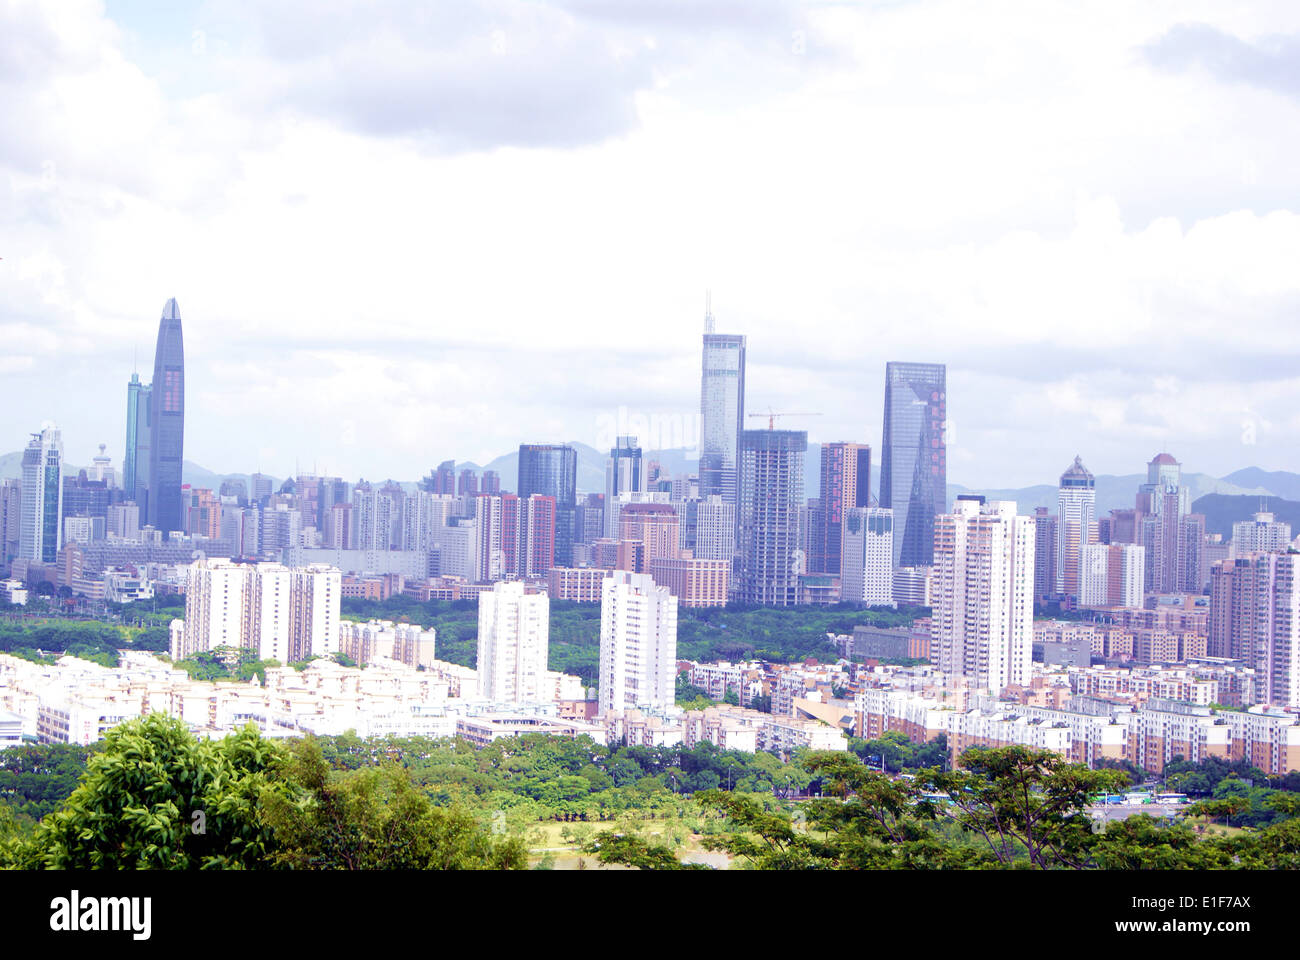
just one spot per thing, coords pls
(1143, 843)
(373, 819)
(633, 851)
(1024, 802)
(158, 798)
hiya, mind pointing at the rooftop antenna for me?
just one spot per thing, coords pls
(708, 311)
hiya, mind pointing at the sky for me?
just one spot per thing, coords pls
(400, 233)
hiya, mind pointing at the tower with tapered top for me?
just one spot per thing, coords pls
(167, 423)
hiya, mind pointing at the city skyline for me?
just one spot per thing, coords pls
(788, 160)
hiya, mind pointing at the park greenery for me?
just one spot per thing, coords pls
(1005, 808)
(154, 796)
(894, 753)
(45, 639)
(228, 664)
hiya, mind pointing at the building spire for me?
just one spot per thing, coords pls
(708, 311)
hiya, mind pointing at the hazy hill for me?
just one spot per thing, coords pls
(1120, 492)
(1279, 483)
(1221, 511)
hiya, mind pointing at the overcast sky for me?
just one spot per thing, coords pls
(406, 232)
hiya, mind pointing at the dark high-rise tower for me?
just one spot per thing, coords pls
(167, 426)
(552, 471)
(913, 464)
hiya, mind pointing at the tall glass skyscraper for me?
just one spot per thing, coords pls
(41, 525)
(552, 471)
(167, 424)
(135, 463)
(722, 411)
(913, 464)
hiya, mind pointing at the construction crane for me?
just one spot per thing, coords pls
(772, 415)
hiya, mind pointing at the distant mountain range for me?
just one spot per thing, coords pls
(1247, 485)
(1117, 493)
(1222, 511)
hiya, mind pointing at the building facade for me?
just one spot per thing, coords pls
(722, 412)
(770, 555)
(638, 643)
(551, 470)
(1076, 525)
(513, 643)
(845, 485)
(41, 533)
(867, 574)
(983, 593)
(913, 465)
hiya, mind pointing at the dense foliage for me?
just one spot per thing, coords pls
(45, 639)
(152, 795)
(36, 779)
(897, 753)
(540, 777)
(1006, 808)
(227, 663)
(156, 797)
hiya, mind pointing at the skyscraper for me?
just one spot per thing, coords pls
(1111, 575)
(513, 642)
(167, 423)
(623, 474)
(1263, 534)
(11, 524)
(1076, 524)
(1255, 617)
(447, 478)
(867, 572)
(913, 465)
(1170, 532)
(715, 529)
(769, 540)
(135, 463)
(638, 643)
(845, 484)
(1044, 554)
(281, 613)
(983, 593)
(41, 533)
(653, 525)
(375, 513)
(552, 471)
(262, 487)
(722, 411)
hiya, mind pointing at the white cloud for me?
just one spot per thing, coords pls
(389, 222)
